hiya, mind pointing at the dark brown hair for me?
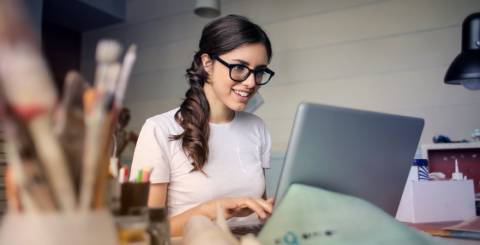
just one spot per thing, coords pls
(219, 37)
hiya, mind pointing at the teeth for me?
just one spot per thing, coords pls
(241, 93)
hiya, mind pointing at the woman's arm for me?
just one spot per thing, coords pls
(238, 206)
(157, 197)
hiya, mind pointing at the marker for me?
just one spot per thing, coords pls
(146, 174)
(123, 175)
(138, 178)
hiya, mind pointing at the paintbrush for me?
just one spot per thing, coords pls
(103, 161)
(11, 192)
(70, 125)
(109, 126)
(29, 91)
(14, 25)
(35, 112)
(108, 67)
(27, 172)
(128, 61)
(98, 121)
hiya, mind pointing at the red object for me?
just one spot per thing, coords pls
(443, 160)
(29, 112)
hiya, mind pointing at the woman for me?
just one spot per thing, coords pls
(209, 152)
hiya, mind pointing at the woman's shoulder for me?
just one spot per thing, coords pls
(165, 120)
(250, 118)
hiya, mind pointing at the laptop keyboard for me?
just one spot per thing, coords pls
(246, 229)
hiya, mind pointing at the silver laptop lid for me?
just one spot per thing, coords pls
(359, 153)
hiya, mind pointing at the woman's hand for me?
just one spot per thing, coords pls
(233, 207)
(238, 207)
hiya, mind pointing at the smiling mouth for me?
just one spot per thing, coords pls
(241, 93)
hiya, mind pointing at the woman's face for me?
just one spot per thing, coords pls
(221, 90)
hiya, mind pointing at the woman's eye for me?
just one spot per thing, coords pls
(239, 68)
(259, 75)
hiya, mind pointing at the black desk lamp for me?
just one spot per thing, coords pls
(465, 69)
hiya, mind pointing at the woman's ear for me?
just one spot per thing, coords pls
(207, 63)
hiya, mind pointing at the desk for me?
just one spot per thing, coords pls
(429, 227)
(453, 241)
(178, 241)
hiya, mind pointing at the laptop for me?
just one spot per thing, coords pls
(355, 152)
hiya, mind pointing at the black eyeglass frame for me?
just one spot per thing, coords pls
(250, 71)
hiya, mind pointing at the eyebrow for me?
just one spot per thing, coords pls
(243, 62)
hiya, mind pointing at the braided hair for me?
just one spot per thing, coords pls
(219, 37)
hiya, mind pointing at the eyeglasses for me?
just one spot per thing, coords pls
(240, 72)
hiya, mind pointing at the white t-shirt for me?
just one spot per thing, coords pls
(238, 152)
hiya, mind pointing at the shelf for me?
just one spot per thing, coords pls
(448, 146)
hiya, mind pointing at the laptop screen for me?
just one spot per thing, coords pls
(355, 152)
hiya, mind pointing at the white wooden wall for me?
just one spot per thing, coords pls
(381, 55)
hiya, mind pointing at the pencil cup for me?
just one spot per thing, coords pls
(133, 196)
(76, 228)
(159, 227)
(144, 226)
(133, 229)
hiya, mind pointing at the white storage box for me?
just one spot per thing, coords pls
(437, 201)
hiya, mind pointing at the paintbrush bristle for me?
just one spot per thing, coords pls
(108, 51)
(132, 49)
(128, 61)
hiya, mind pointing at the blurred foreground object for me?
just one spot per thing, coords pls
(28, 101)
(57, 148)
(311, 215)
(201, 230)
(76, 228)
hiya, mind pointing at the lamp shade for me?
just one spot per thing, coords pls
(207, 8)
(465, 69)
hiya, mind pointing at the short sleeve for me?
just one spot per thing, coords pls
(151, 151)
(266, 147)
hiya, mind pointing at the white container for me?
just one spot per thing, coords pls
(437, 201)
(96, 227)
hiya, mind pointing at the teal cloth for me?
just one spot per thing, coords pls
(309, 215)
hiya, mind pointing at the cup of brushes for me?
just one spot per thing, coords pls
(57, 148)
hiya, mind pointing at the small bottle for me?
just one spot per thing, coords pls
(457, 175)
(476, 135)
(421, 166)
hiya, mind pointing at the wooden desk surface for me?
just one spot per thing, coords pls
(437, 227)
